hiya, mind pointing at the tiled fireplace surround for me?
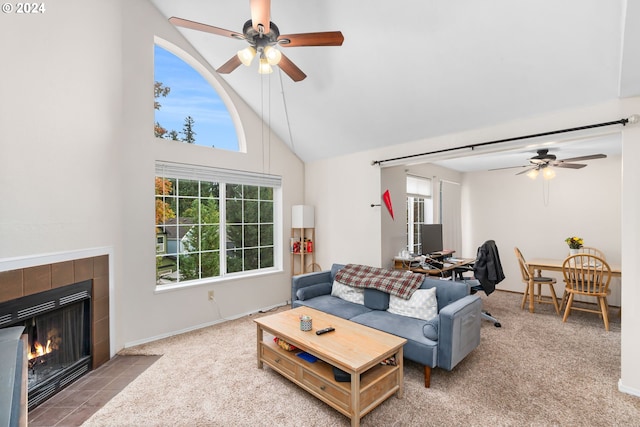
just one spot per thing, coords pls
(32, 280)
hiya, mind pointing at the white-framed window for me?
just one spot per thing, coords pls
(215, 223)
(160, 244)
(419, 210)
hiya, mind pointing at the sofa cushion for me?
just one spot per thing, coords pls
(422, 305)
(313, 291)
(376, 299)
(430, 329)
(418, 348)
(347, 293)
(447, 291)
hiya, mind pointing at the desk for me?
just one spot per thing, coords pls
(551, 264)
(449, 266)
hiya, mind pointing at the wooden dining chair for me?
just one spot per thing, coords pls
(537, 280)
(587, 275)
(593, 251)
(583, 250)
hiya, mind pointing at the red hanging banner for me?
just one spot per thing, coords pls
(387, 201)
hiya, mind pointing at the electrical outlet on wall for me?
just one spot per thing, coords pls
(210, 294)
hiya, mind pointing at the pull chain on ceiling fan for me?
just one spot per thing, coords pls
(264, 37)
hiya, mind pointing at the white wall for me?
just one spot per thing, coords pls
(78, 153)
(344, 210)
(630, 375)
(60, 121)
(347, 227)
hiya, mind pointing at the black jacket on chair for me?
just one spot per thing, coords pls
(488, 269)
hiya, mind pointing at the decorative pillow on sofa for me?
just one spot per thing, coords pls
(347, 293)
(422, 305)
(313, 291)
(375, 299)
(430, 329)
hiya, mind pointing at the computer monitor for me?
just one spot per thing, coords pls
(431, 238)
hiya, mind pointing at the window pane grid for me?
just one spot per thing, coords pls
(419, 205)
(249, 244)
(417, 214)
(189, 220)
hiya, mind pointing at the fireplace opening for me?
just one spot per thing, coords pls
(57, 325)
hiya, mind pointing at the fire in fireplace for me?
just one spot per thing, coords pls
(57, 325)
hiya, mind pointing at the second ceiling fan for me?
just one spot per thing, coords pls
(263, 37)
(544, 159)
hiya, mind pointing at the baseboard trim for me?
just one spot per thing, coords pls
(199, 326)
(628, 390)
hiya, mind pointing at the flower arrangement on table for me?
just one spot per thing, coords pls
(574, 242)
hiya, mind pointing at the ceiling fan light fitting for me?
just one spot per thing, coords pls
(273, 55)
(548, 173)
(533, 173)
(246, 55)
(264, 67)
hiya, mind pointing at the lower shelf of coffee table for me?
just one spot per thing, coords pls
(376, 384)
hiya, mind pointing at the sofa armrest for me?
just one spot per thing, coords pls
(459, 330)
(309, 279)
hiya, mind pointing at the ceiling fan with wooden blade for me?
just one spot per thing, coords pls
(567, 163)
(263, 36)
(544, 159)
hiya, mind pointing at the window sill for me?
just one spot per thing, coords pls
(159, 289)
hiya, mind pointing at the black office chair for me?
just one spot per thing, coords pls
(487, 273)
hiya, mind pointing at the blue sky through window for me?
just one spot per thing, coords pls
(191, 95)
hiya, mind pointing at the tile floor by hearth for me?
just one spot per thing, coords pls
(76, 403)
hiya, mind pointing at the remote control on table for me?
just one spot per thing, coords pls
(325, 330)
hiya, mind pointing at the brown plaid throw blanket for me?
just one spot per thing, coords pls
(401, 283)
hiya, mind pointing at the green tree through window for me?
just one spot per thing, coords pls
(190, 216)
(249, 227)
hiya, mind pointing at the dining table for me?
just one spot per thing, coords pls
(553, 264)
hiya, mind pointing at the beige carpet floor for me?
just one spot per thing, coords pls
(534, 371)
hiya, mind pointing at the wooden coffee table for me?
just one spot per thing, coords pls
(356, 349)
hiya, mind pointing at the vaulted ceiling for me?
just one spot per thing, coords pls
(416, 69)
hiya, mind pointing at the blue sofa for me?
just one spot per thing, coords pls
(441, 342)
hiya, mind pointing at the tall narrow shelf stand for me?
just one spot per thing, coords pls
(303, 258)
(303, 239)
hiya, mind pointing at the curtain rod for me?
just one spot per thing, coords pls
(632, 119)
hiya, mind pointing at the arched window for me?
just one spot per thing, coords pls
(187, 108)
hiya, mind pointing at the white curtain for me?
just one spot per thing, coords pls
(450, 216)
